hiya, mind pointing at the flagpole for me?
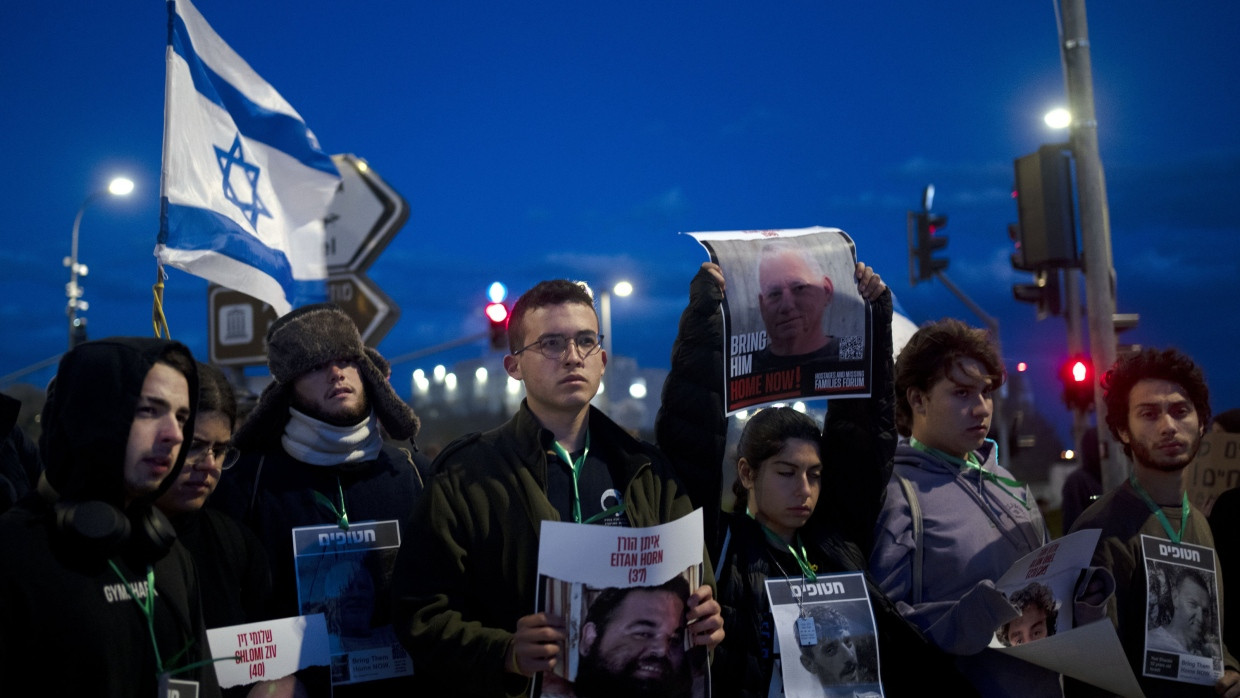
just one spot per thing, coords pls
(159, 321)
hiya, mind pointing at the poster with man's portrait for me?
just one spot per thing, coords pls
(346, 576)
(1182, 630)
(621, 594)
(827, 644)
(795, 325)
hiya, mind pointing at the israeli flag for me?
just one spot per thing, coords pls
(245, 186)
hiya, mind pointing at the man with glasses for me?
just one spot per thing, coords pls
(314, 463)
(232, 566)
(464, 586)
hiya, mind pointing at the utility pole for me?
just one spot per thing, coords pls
(1095, 222)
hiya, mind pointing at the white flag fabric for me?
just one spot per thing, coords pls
(245, 186)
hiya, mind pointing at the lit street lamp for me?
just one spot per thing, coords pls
(73, 291)
(1058, 118)
(622, 289)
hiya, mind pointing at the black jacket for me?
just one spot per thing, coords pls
(67, 620)
(469, 566)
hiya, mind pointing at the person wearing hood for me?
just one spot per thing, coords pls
(99, 597)
(314, 460)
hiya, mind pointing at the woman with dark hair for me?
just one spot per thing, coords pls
(807, 500)
(232, 566)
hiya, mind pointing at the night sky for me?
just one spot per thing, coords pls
(568, 139)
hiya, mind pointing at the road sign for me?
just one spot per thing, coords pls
(372, 310)
(238, 326)
(363, 217)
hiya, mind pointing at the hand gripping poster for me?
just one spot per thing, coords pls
(795, 326)
(827, 644)
(620, 594)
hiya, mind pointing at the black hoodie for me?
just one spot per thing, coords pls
(68, 619)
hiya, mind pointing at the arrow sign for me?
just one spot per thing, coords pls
(363, 217)
(372, 310)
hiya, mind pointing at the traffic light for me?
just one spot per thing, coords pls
(497, 316)
(1046, 234)
(1077, 374)
(929, 240)
(1043, 292)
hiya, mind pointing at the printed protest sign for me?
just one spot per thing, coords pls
(795, 324)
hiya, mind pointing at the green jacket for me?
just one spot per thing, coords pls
(468, 564)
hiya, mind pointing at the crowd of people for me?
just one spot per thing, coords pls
(152, 510)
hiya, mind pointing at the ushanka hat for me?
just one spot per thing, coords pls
(300, 342)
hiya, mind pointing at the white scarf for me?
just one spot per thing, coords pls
(316, 442)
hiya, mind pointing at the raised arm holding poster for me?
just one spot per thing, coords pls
(621, 594)
(795, 325)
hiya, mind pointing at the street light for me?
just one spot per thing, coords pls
(1058, 118)
(622, 289)
(119, 186)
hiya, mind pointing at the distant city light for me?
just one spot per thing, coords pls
(1022, 367)
(439, 372)
(449, 381)
(1067, 455)
(638, 388)
(1058, 118)
(623, 289)
(513, 386)
(799, 406)
(480, 374)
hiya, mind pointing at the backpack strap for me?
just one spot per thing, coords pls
(915, 512)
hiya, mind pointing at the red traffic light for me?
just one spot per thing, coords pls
(497, 313)
(1077, 375)
(1080, 371)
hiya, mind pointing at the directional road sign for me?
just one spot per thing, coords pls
(363, 218)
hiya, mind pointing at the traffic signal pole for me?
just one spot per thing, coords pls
(1094, 217)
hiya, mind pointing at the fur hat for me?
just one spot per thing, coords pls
(303, 340)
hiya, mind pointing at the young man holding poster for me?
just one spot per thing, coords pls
(954, 520)
(1157, 406)
(465, 580)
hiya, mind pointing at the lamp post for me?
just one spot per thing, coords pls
(622, 289)
(73, 291)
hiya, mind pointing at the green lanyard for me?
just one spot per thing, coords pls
(576, 466)
(1158, 512)
(970, 461)
(147, 605)
(341, 514)
(798, 553)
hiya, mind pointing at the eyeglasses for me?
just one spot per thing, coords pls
(555, 346)
(224, 454)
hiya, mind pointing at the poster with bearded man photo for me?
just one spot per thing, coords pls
(620, 594)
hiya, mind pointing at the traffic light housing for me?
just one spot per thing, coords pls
(1043, 293)
(1046, 234)
(1077, 375)
(497, 318)
(929, 240)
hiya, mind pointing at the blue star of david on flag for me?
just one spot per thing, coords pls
(235, 157)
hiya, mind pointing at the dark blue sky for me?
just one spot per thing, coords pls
(535, 140)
